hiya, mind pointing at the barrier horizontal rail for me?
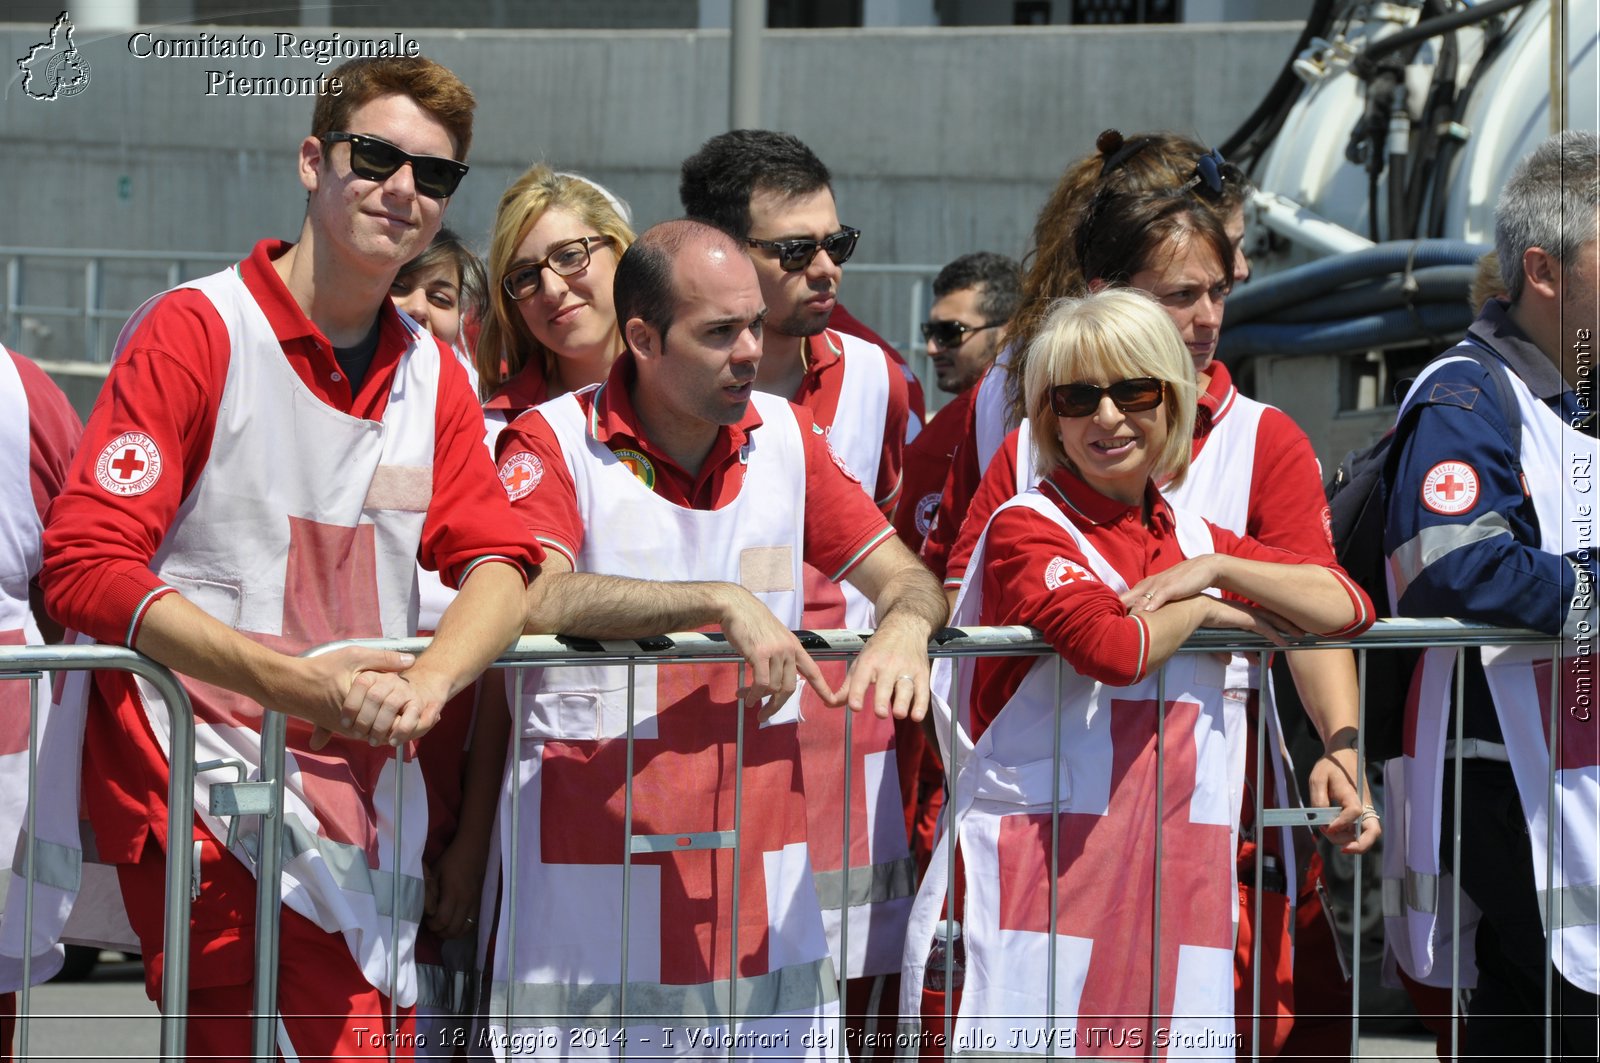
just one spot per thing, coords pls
(547, 650)
(1016, 641)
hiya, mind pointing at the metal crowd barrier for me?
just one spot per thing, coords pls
(263, 796)
(30, 663)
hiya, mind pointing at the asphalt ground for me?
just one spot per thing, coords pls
(108, 1017)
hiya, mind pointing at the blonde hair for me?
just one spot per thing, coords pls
(505, 339)
(1108, 336)
(1486, 282)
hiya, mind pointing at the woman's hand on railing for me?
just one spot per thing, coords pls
(1334, 782)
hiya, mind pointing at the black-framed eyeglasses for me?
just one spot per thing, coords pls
(376, 159)
(1134, 395)
(796, 255)
(948, 335)
(564, 259)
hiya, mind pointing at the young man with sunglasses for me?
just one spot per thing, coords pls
(769, 191)
(742, 495)
(274, 450)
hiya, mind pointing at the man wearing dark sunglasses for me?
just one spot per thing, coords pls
(974, 298)
(276, 449)
(771, 192)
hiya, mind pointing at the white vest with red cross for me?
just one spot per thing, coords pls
(20, 532)
(303, 528)
(1104, 776)
(865, 907)
(1557, 464)
(561, 961)
(59, 872)
(1217, 486)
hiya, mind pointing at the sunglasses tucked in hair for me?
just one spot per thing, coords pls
(1210, 173)
(1134, 395)
(564, 260)
(376, 160)
(951, 334)
(796, 255)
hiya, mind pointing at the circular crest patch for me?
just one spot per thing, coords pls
(520, 474)
(1450, 488)
(639, 465)
(1060, 572)
(927, 509)
(834, 454)
(129, 465)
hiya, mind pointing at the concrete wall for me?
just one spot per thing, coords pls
(942, 141)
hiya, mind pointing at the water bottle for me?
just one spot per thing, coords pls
(947, 947)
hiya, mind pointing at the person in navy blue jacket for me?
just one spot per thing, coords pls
(1490, 514)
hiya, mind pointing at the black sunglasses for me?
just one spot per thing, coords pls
(564, 260)
(1134, 395)
(377, 160)
(1211, 172)
(951, 334)
(796, 255)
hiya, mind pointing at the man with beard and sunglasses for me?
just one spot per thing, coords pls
(771, 192)
(275, 449)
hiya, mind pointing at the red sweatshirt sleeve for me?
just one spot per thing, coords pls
(534, 474)
(98, 543)
(1080, 616)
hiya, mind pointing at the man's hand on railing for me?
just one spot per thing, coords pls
(894, 666)
(328, 692)
(774, 658)
(385, 707)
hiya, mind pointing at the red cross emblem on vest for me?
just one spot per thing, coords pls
(877, 832)
(1579, 727)
(683, 786)
(330, 592)
(13, 704)
(1106, 891)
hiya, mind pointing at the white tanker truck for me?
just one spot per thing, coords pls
(1379, 153)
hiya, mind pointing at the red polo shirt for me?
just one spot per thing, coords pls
(820, 392)
(841, 525)
(1035, 574)
(928, 461)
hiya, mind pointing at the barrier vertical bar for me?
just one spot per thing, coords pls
(1455, 858)
(627, 854)
(508, 859)
(394, 901)
(949, 816)
(180, 865)
(1263, 706)
(1356, 922)
(91, 303)
(1055, 865)
(13, 301)
(843, 973)
(1554, 731)
(1161, 798)
(25, 996)
(738, 823)
(269, 873)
